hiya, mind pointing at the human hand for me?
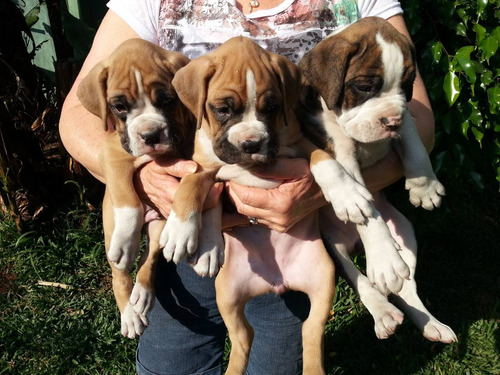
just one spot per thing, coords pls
(282, 207)
(156, 183)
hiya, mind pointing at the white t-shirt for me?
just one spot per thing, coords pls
(195, 27)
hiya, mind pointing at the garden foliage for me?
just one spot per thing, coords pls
(457, 44)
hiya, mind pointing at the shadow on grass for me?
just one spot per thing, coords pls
(458, 280)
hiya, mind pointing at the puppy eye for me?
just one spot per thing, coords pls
(365, 88)
(119, 106)
(164, 98)
(222, 113)
(271, 106)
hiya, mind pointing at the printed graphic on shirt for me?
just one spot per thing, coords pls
(196, 27)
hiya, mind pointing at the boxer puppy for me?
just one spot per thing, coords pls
(133, 90)
(364, 75)
(244, 99)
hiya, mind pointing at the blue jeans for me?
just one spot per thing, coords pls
(186, 333)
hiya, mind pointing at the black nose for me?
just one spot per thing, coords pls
(251, 147)
(152, 137)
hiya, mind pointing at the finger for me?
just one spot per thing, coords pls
(232, 220)
(245, 198)
(177, 167)
(284, 169)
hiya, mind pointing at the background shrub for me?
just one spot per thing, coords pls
(457, 43)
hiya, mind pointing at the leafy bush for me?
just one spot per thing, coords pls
(457, 42)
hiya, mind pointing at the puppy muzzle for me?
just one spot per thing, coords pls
(148, 134)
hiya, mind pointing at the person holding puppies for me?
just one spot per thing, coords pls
(186, 334)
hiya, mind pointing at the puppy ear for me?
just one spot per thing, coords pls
(291, 82)
(191, 85)
(409, 85)
(325, 67)
(92, 92)
(174, 61)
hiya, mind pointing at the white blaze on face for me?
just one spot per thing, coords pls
(393, 62)
(250, 128)
(142, 119)
(363, 122)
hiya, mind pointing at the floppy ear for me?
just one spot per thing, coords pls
(325, 67)
(191, 85)
(92, 92)
(409, 87)
(174, 61)
(291, 82)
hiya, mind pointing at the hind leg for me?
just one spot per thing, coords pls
(232, 296)
(320, 288)
(408, 299)
(341, 239)
(143, 295)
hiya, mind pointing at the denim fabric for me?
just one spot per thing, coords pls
(186, 333)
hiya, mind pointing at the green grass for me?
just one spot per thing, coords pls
(53, 330)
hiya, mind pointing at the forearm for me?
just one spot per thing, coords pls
(83, 135)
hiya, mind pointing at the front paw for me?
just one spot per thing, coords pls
(123, 249)
(351, 202)
(209, 257)
(125, 241)
(425, 192)
(385, 268)
(179, 238)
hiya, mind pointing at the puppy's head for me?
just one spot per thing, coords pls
(244, 98)
(365, 74)
(132, 89)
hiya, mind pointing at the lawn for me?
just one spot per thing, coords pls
(57, 313)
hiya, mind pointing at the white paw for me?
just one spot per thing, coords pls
(437, 331)
(141, 299)
(387, 321)
(425, 192)
(386, 316)
(122, 250)
(132, 324)
(385, 268)
(179, 239)
(351, 202)
(209, 257)
(126, 238)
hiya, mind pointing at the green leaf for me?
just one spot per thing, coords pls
(487, 77)
(451, 87)
(437, 51)
(468, 68)
(461, 29)
(481, 5)
(476, 117)
(465, 52)
(32, 16)
(465, 127)
(480, 33)
(489, 47)
(496, 33)
(494, 98)
(478, 134)
(463, 15)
